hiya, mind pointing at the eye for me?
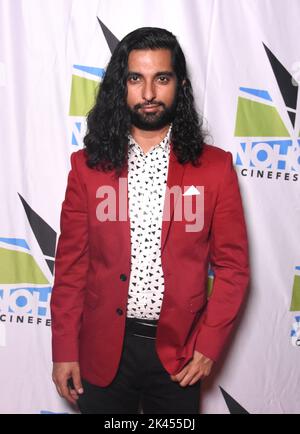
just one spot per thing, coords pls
(133, 78)
(163, 79)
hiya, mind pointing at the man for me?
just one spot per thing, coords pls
(132, 324)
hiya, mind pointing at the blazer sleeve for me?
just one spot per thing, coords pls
(230, 264)
(71, 265)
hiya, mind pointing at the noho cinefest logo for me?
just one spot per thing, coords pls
(84, 87)
(26, 280)
(270, 146)
(295, 306)
(275, 152)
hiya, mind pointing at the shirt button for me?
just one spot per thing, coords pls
(123, 277)
(119, 311)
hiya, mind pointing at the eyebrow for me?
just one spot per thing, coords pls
(167, 73)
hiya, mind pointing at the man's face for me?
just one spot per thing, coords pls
(151, 88)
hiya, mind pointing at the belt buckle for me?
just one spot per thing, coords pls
(143, 329)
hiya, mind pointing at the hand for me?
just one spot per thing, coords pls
(200, 366)
(62, 372)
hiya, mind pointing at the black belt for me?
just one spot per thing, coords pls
(144, 328)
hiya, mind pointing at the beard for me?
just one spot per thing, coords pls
(152, 121)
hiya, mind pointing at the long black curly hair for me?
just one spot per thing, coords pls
(108, 122)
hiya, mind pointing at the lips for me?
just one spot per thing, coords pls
(150, 108)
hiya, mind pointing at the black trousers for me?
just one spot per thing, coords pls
(141, 383)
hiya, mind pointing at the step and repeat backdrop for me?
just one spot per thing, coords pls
(244, 61)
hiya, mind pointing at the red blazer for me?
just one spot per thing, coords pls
(92, 270)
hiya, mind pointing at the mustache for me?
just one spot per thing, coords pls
(150, 103)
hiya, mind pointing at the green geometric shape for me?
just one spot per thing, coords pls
(295, 304)
(83, 95)
(19, 267)
(254, 119)
(210, 284)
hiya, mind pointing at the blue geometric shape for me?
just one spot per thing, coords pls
(42, 311)
(257, 92)
(99, 72)
(16, 242)
(74, 141)
(211, 273)
(298, 267)
(262, 155)
(43, 292)
(50, 412)
(281, 165)
(21, 301)
(238, 159)
(78, 126)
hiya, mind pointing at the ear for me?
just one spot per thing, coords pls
(184, 86)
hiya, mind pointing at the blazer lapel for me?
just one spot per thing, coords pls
(174, 178)
(120, 185)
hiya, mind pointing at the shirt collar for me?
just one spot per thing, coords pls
(164, 144)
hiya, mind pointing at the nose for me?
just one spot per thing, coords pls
(149, 91)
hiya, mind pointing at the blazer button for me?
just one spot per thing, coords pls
(119, 311)
(123, 277)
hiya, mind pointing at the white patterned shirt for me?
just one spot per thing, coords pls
(147, 180)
